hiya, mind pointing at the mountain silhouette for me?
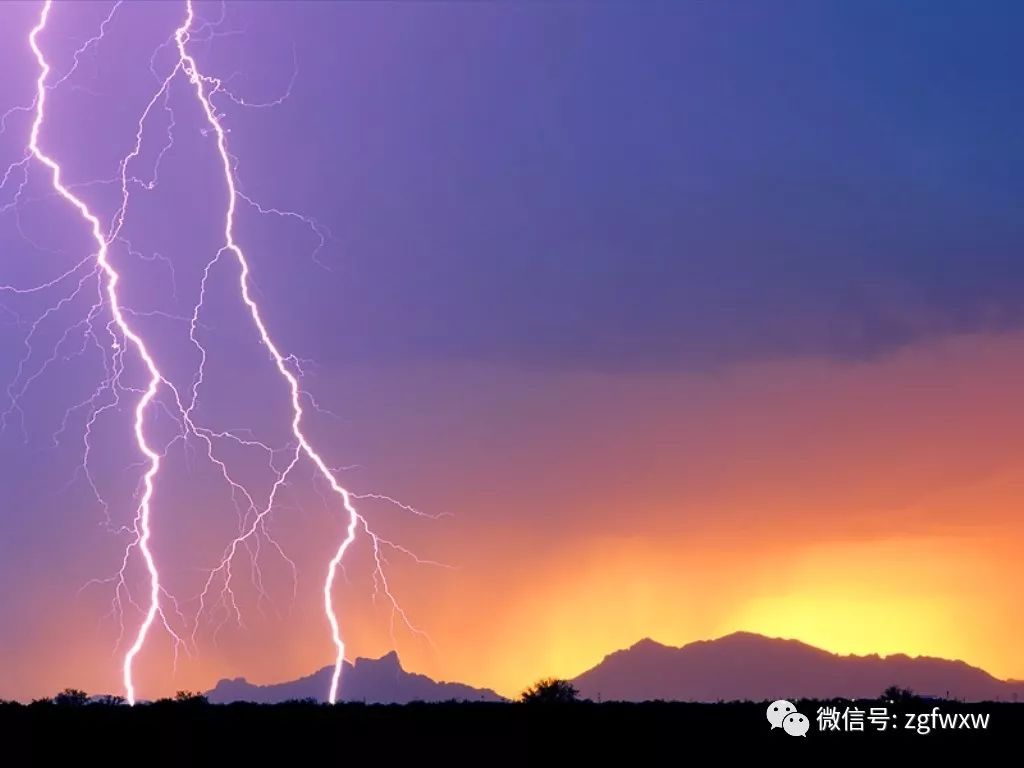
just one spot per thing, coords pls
(373, 681)
(747, 666)
(740, 666)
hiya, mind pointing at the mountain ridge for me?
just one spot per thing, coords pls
(372, 681)
(738, 666)
(746, 665)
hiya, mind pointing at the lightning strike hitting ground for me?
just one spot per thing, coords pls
(117, 338)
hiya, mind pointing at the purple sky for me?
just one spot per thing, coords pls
(531, 208)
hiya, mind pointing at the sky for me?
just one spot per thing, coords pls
(680, 319)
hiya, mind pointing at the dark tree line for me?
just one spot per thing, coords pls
(545, 691)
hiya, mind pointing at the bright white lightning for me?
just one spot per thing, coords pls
(192, 72)
(121, 335)
(155, 377)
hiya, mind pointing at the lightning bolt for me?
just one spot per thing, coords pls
(118, 337)
(155, 377)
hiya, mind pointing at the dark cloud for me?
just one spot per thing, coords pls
(670, 186)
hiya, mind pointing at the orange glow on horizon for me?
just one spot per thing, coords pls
(867, 507)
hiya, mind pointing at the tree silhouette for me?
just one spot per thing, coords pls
(108, 701)
(71, 697)
(897, 694)
(550, 691)
(190, 697)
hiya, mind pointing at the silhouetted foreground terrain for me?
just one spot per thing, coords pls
(300, 734)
